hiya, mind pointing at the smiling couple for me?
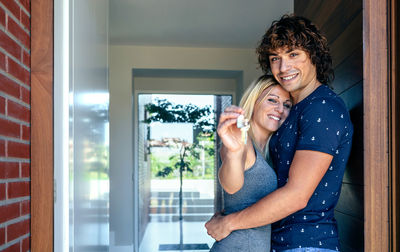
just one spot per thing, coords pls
(304, 128)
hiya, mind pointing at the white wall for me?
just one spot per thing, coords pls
(186, 85)
(122, 59)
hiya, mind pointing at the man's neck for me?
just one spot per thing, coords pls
(301, 94)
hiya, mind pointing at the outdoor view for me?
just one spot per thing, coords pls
(177, 162)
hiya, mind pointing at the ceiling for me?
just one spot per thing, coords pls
(193, 23)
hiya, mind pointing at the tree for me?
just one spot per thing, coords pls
(203, 122)
(202, 119)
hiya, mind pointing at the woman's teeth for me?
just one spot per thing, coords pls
(274, 118)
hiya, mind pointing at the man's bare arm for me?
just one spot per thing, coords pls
(306, 172)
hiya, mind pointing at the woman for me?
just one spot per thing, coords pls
(246, 176)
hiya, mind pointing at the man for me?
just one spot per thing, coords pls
(309, 152)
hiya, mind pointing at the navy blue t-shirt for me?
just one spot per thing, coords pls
(320, 122)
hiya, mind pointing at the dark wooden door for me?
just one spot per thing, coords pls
(395, 123)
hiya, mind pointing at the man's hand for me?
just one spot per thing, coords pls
(217, 227)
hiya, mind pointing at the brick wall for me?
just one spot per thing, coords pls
(14, 125)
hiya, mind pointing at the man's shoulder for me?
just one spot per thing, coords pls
(325, 109)
(324, 92)
(327, 101)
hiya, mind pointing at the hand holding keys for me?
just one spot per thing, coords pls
(244, 125)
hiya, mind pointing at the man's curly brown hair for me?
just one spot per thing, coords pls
(296, 32)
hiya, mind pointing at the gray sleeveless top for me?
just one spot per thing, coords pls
(259, 180)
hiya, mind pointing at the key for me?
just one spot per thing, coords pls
(244, 125)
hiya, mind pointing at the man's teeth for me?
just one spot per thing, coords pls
(289, 77)
(275, 118)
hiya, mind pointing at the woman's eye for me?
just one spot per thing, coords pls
(288, 106)
(293, 54)
(272, 100)
(273, 59)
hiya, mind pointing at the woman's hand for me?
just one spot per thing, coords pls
(227, 130)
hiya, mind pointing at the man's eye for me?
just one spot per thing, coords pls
(293, 54)
(274, 59)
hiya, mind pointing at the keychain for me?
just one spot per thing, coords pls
(244, 125)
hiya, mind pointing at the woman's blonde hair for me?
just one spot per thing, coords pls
(251, 96)
(253, 92)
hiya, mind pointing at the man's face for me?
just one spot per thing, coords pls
(293, 69)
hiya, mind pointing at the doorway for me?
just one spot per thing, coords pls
(215, 88)
(177, 169)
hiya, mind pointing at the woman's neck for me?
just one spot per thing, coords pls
(260, 138)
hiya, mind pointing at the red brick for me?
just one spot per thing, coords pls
(2, 105)
(25, 20)
(9, 129)
(18, 32)
(25, 207)
(18, 111)
(2, 61)
(18, 229)
(26, 4)
(2, 148)
(26, 132)
(9, 212)
(2, 191)
(25, 95)
(26, 58)
(18, 71)
(12, 6)
(9, 170)
(10, 45)
(25, 170)
(25, 245)
(2, 236)
(14, 248)
(17, 189)
(2, 17)
(18, 150)
(8, 86)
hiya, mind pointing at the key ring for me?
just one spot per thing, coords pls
(244, 125)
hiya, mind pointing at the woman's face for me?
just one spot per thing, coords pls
(271, 109)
